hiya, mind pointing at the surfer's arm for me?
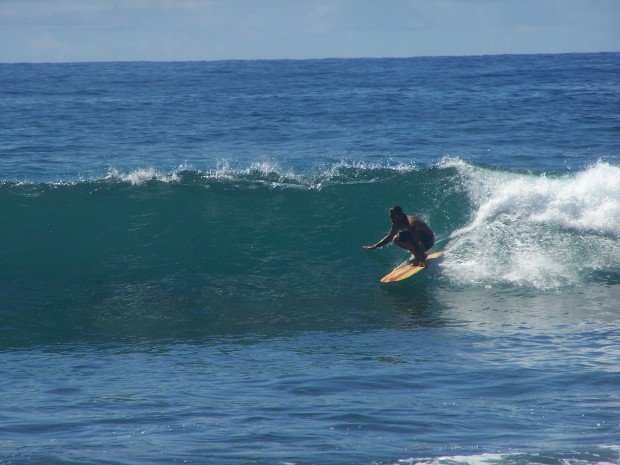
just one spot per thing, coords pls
(386, 240)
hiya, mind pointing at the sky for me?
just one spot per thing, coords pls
(180, 30)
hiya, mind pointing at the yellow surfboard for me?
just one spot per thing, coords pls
(408, 269)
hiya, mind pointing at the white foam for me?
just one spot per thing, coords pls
(142, 175)
(266, 169)
(480, 459)
(272, 173)
(589, 202)
(535, 229)
(493, 458)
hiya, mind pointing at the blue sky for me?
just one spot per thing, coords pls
(169, 30)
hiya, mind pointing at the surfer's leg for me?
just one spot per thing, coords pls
(428, 242)
(410, 246)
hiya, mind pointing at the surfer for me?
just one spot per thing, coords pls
(408, 232)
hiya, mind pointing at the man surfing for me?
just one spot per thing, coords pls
(408, 232)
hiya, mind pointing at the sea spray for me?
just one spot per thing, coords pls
(537, 230)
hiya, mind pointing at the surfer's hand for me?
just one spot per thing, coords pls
(368, 247)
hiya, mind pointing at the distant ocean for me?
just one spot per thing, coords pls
(182, 277)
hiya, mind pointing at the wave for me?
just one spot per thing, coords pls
(232, 250)
(498, 227)
(586, 201)
(545, 232)
(601, 454)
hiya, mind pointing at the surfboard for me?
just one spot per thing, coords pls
(408, 269)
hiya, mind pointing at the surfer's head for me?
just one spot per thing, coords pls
(397, 216)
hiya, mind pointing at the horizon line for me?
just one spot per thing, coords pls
(479, 55)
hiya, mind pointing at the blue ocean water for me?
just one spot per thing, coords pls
(182, 278)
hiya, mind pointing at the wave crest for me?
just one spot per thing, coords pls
(537, 230)
(143, 175)
(268, 173)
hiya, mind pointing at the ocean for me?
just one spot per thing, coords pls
(182, 278)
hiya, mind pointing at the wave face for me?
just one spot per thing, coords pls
(243, 246)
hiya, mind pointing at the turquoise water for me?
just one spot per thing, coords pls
(182, 278)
